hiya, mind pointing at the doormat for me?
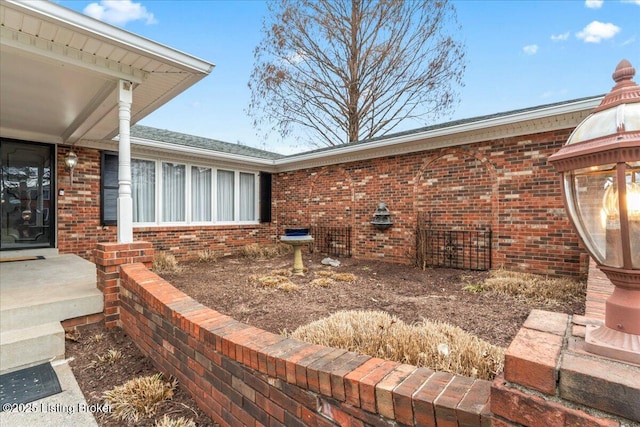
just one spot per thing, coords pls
(21, 258)
(27, 385)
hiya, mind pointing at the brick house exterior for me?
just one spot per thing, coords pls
(494, 176)
(503, 184)
(487, 172)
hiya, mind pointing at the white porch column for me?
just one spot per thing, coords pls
(125, 202)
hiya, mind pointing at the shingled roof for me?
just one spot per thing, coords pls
(450, 124)
(170, 137)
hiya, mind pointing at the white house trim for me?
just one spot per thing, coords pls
(543, 119)
(130, 41)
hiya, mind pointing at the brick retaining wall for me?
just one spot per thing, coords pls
(239, 374)
(549, 379)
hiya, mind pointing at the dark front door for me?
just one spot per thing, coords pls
(27, 210)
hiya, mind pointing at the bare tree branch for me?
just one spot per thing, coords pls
(349, 70)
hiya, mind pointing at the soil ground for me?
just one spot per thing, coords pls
(94, 378)
(226, 286)
(408, 292)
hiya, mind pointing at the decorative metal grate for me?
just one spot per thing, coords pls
(334, 241)
(463, 249)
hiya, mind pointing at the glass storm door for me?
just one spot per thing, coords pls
(27, 210)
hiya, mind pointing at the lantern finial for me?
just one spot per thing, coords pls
(624, 71)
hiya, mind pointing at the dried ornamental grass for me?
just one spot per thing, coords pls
(139, 397)
(258, 251)
(438, 346)
(344, 277)
(323, 282)
(324, 273)
(341, 277)
(207, 255)
(167, 421)
(164, 262)
(535, 287)
(288, 287)
(282, 283)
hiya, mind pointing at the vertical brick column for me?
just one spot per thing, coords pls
(109, 257)
(549, 379)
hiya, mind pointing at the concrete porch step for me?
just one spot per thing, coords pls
(21, 348)
(38, 306)
(50, 290)
(35, 296)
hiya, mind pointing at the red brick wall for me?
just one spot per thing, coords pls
(79, 228)
(241, 375)
(505, 184)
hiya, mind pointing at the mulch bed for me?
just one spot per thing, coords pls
(225, 285)
(96, 378)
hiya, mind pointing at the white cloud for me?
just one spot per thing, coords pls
(554, 93)
(593, 4)
(636, 2)
(628, 41)
(597, 31)
(119, 12)
(560, 37)
(531, 49)
(295, 58)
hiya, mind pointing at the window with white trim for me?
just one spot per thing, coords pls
(166, 192)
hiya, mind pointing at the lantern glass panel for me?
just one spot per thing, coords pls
(633, 209)
(593, 204)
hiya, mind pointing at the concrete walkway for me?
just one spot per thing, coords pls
(68, 408)
(34, 295)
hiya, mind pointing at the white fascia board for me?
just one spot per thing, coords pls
(201, 152)
(506, 120)
(121, 37)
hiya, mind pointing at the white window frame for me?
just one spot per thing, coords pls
(160, 188)
(189, 196)
(156, 192)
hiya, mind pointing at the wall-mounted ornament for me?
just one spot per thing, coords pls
(382, 217)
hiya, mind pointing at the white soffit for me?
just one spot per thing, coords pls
(507, 125)
(59, 71)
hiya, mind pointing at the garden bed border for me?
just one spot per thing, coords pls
(242, 375)
(239, 374)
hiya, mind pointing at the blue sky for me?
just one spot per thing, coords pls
(519, 54)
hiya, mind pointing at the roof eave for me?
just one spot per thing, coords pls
(125, 38)
(204, 153)
(419, 141)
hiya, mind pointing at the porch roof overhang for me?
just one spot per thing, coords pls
(60, 70)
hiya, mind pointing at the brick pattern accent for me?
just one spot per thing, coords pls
(79, 228)
(505, 183)
(109, 257)
(241, 375)
(549, 379)
(79, 322)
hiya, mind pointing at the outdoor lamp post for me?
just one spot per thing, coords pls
(600, 166)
